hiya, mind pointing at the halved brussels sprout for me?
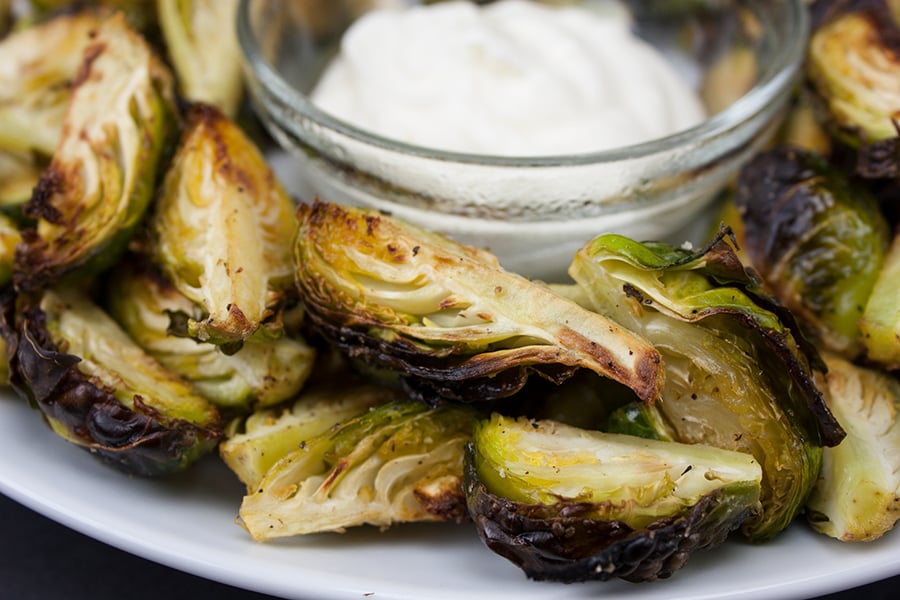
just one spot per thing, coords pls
(568, 504)
(447, 317)
(38, 66)
(857, 496)
(99, 390)
(816, 237)
(399, 462)
(92, 196)
(880, 324)
(736, 378)
(268, 435)
(261, 373)
(854, 70)
(201, 40)
(223, 227)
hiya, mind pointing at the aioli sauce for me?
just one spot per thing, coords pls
(513, 78)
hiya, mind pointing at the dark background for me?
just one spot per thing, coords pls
(42, 560)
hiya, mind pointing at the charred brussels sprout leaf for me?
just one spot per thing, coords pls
(736, 378)
(880, 324)
(223, 227)
(446, 316)
(37, 68)
(817, 239)
(202, 43)
(568, 504)
(853, 68)
(99, 390)
(857, 496)
(92, 196)
(261, 373)
(397, 463)
(268, 435)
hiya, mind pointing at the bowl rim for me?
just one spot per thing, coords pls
(776, 77)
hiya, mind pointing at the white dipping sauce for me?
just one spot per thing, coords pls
(513, 78)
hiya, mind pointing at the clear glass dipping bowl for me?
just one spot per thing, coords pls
(533, 213)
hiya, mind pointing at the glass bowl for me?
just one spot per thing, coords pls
(535, 212)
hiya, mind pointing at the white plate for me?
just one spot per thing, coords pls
(188, 523)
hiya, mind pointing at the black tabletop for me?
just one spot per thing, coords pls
(42, 560)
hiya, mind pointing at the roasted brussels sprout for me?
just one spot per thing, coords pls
(447, 317)
(736, 378)
(816, 237)
(37, 68)
(880, 324)
(99, 390)
(261, 373)
(853, 69)
(568, 504)
(268, 435)
(396, 463)
(92, 196)
(222, 231)
(201, 40)
(857, 496)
